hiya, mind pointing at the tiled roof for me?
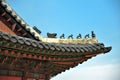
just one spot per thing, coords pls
(19, 19)
(78, 48)
(61, 56)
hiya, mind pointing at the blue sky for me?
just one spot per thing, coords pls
(74, 17)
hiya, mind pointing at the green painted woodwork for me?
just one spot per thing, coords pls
(14, 46)
(1, 42)
(3, 72)
(20, 47)
(32, 50)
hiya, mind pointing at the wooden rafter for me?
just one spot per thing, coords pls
(3, 14)
(90, 55)
(24, 34)
(9, 19)
(13, 61)
(64, 63)
(19, 29)
(14, 26)
(5, 59)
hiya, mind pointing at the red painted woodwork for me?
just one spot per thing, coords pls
(9, 78)
(90, 55)
(16, 78)
(4, 28)
(41, 79)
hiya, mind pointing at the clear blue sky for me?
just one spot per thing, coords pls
(74, 17)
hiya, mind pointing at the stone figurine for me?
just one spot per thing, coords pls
(87, 36)
(37, 30)
(51, 35)
(62, 36)
(93, 34)
(70, 36)
(79, 36)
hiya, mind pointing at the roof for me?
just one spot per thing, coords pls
(67, 55)
(60, 47)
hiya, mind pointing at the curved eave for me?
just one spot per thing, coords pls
(63, 66)
(60, 48)
(61, 56)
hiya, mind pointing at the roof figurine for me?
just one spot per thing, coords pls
(70, 36)
(26, 55)
(93, 34)
(37, 30)
(62, 36)
(51, 35)
(79, 36)
(87, 36)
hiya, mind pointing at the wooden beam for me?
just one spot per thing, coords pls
(6, 52)
(40, 57)
(40, 64)
(3, 14)
(37, 66)
(13, 61)
(35, 57)
(90, 55)
(24, 34)
(9, 19)
(61, 65)
(18, 54)
(14, 26)
(24, 55)
(29, 56)
(19, 29)
(12, 52)
(57, 67)
(5, 59)
(64, 63)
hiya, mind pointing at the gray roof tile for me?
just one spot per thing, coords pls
(82, 48)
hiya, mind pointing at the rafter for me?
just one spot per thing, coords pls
(13, 61)
(5, 59)
(24, 34)
(3, 14)
(64, 63)
(90, 55)
(20, 29)
(14, 26)
(9, 19)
